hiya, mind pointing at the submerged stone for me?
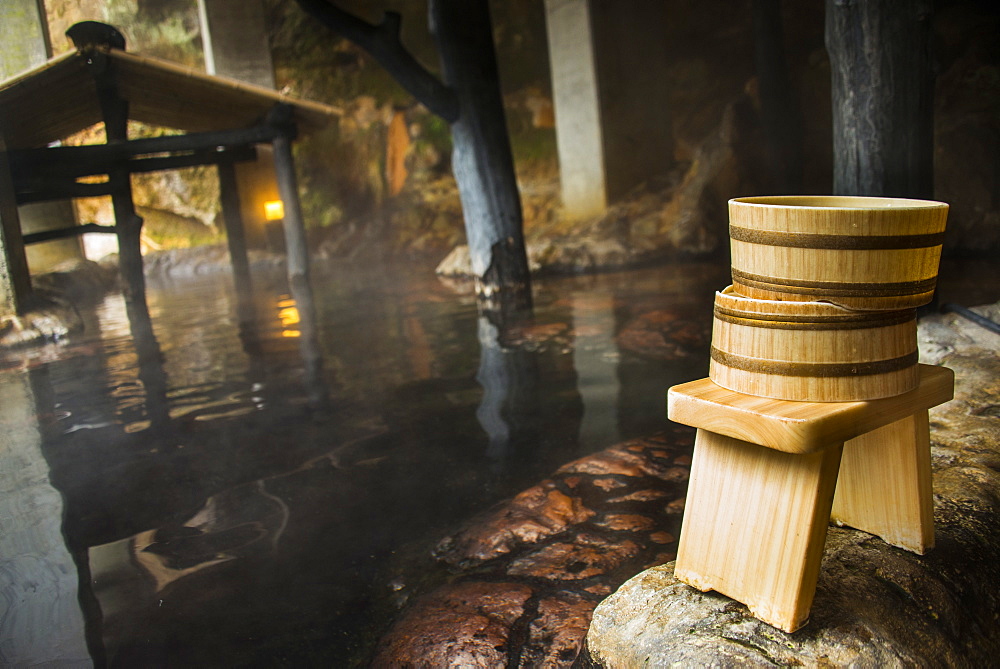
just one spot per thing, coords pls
(533, 515)
(586, 556)
(462, 624)
(571, 539)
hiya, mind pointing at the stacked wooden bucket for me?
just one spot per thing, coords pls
(824, 296)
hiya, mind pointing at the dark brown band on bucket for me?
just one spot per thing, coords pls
(809, 240)
(855, 321)
(834, 288)
(813, 369)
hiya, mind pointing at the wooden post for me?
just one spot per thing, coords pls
(885, 484)
(481, 158)
(296, 244)
(150, 359)
(309, 349)
(235, 234)
(15, 280)
(471, 101)
(882, 88)
(755, 524)
(128, 224)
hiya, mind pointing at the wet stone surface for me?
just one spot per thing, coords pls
(524, 577)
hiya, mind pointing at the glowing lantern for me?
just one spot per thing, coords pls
(274, 210)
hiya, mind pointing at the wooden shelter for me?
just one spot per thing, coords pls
(221, 122)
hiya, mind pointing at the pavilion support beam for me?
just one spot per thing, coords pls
(64, 233)
(196, 148)
(55, 190)
(128, 224)
(295, 230)
(71, 167)
(59, 181)
(229, 195)
(296, 245)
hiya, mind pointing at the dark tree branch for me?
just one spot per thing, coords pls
(382, 42)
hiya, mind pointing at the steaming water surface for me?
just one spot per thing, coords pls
(232, 489)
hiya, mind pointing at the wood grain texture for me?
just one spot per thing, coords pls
(811, 351)
(884, 486)
(882, 89)
(755, 525)
(800, 427)
(886, 257)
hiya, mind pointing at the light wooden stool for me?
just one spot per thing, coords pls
(764, 480)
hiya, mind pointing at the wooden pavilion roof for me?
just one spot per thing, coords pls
(60, 98)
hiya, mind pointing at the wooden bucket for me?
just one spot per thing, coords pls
(858, 252)
(811, 351)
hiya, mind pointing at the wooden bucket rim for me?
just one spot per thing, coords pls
(836, 202)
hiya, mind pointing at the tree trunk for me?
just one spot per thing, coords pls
(481, 159)
(882, 86)
(470, 100)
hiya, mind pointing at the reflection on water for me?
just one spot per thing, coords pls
(237, 473)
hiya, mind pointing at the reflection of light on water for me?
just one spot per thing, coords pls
(288, 314)
(595, 356)
(113, 318)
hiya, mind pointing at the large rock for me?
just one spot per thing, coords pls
(875, 605)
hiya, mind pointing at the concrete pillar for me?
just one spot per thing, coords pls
(613, 128)
(25, 38)
(577, 107)
(234, 36)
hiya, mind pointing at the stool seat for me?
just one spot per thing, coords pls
(768, 475)
(800, 427)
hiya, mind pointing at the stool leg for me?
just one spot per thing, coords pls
(885, 484)
(755, 523)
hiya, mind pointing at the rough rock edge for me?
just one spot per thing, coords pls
(875, 605)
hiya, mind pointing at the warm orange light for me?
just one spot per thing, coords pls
(289, 316)
(274, 210)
